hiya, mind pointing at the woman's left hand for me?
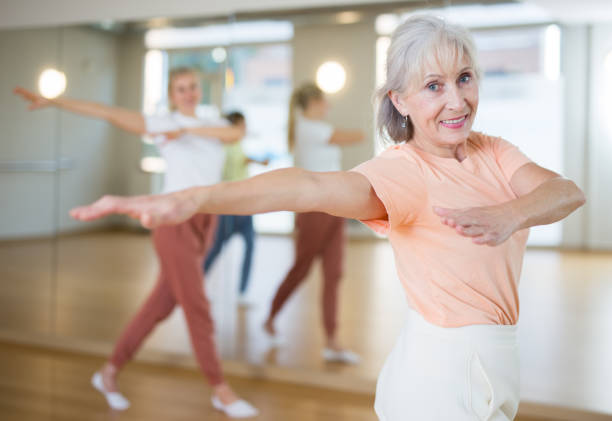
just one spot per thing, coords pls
(171, 135)
(490, 225)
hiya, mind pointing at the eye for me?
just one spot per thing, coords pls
(465, 78)
(433, 87)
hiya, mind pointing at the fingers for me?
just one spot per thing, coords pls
(107, 205)
(491, 239)
(146, 220)
(134, 207)
(470, 231)
(24, 93)
(19, 91)
(441, 211)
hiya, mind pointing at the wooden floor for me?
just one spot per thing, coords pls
(39, 384)
(101, 279)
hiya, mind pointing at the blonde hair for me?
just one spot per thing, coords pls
(418, 43)
(173, 74)
(300, 98)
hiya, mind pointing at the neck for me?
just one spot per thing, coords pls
(311, 115)
(188, 113)
(458, 151)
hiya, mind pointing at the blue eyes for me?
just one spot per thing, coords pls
(465, 78)
(435, 86)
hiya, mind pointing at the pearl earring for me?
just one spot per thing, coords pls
(405, 122)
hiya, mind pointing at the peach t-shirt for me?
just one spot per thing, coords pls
(448, 279)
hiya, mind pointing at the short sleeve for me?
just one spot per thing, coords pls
(314, 131)
(508, 157)
(398, 182)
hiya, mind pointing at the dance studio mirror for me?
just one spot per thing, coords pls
(77, 285)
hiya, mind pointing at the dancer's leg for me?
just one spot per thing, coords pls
(181, 249)
(181, 255)
(223, 233)
(244, 224)
(310, 236)
(156, 308)
(333, 259)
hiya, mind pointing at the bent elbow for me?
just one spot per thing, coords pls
(579, 196)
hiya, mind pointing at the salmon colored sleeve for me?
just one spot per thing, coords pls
(398, 184)
(508, 156)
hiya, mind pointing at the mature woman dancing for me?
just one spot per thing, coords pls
(456, 206)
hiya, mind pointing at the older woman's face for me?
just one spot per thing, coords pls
(442, 106)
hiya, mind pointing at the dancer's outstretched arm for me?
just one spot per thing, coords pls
(128, 120)
(226, 134)
(346, 194)
(543, 197)
(346, 137)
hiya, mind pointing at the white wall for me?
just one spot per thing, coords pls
(599, 148)
(26, 197)
(574, 70)
(130, 179)
(353, 46)
(89, 59)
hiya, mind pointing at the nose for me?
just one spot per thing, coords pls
(455, 98)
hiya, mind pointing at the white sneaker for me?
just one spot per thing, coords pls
(274, 340)
(245, 302)
(344, 356)
(115, 400)
(237, 409)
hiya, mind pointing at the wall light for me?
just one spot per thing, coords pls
(386, 23)
(331, 77)
(51, 83)
(348, 17)
(219, 54)
(153, 164)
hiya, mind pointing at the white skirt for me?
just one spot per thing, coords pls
(450, 374)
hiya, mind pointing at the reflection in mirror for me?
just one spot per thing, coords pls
(29, 167)
(279, 308)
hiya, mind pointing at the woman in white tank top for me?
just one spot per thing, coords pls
(316, 145)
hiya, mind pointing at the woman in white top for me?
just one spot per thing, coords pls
(193, 150)
(316, 144)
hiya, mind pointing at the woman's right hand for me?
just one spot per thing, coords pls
(36, 101)
(152, 211)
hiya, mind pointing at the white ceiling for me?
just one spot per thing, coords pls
(27, 13)
(30, 13)
(577, 11)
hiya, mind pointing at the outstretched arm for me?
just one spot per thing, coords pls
(346, 137)
(226, 134)
(130, 121)
(553, 198)
(346, 194)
